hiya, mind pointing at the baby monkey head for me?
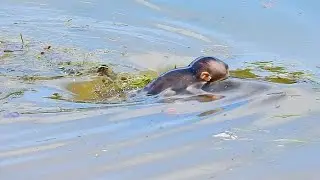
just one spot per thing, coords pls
(209, 69)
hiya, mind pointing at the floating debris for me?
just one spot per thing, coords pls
(8, 51)
(47, 48)
(210, 112)
(14, 94)
(287, 116)
(22, 41)
(56, 96)
(38, 78)
(289, 141)
(227, 135)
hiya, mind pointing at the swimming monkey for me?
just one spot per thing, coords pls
(189, 79)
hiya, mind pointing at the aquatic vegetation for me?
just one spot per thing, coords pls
(297, 73)
(102, 88)
(60, 62)
(13, 94)
(56, 96)
(287, 115)
(97, 89)
(104, 82)
(77, 63)
(276, 73)
(34, 78)
(275, 69)
(106, 85)
(281, 80)
(262, 63)
(140, 81)
(104, 70)
(109, 85)
(4, 55)
(22, 41)
(243, 73)
(210, 112)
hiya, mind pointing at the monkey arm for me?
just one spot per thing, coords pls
(168, 92)
(196, 90)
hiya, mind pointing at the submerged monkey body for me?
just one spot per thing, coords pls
(174, 80)
(189, 79)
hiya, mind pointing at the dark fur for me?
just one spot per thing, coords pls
(180, 79)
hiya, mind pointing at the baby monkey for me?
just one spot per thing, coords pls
(190, 79)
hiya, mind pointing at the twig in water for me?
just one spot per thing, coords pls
(7, 51)
(22, 40)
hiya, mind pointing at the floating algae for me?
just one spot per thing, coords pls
(209, 112)
(34, 78)
(43, 62)
(281, 80)
(12, 94)
(276, 74)
(286, 115)
(262, 63)
(93, 90)
(275, 69)
(104, 88)
(56, 96)
(243, 73)
(4, 55)
(32, 60)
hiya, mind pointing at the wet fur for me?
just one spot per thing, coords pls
(187, 79)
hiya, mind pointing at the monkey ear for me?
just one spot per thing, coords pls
(205, 76)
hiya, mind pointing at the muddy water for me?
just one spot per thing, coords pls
(266, 127)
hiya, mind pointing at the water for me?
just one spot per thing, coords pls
(275, 125)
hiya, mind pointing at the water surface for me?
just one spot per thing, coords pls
(261, 130)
